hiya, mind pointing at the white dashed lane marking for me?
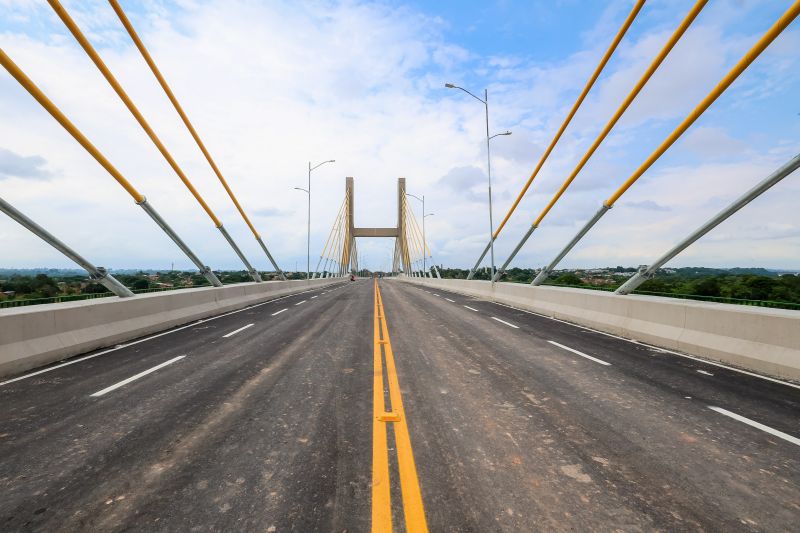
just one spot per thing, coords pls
(137, 376)
(576, 352)
(234, 332)
(509, 324)
(757, 425)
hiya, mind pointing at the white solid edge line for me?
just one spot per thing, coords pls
(576, 352)
(137, 376)
(449, 300)
(506, 323)
(472, 309)
(298, 303)
(633, 341)
(121, 346)
(281, 311)
(234, 332)
(666, 350)
(762, 427)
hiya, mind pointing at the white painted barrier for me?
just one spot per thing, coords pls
(755, 338)
(37, 335)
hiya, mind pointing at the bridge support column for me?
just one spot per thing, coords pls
(204, 270)
(545, 272)
(98, 274)
(646, 272)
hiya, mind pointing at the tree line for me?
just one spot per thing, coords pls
(737, 283)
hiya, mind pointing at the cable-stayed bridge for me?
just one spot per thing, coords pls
(402, 401)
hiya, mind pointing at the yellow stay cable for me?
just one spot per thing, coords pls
(51, 108)
(726, 82)
(330, 234)
(93, 55)
(415, 251)
(620, 34)
(668, 46)
(419, 232)
(339, 249)
(777, 28)
(333, 252)
(157, 73)
(690, 17)
(421, 246)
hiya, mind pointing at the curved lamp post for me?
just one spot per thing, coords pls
(424, 215)
(308, 235)
(485, 102)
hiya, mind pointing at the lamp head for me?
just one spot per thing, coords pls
(449, 85)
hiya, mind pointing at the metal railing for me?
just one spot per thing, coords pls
(4, 304)
(55, 299)
(680, 296)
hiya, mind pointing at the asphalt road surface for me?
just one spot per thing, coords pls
(265, 419)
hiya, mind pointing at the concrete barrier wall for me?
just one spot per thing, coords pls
(37, 335)
(756, 338)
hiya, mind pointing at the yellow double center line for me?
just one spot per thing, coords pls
(409, 482)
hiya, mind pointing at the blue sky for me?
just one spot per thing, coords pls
(272, 85)
(536, 30)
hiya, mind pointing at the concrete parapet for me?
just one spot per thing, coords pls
(755, 338)
(37, 335)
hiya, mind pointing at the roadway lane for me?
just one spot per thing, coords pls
(257, 430)
(531, 436)
(764, 399)
(518, 423)
(51, 391)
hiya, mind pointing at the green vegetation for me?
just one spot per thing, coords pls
(746, 284)
(776, 288)
(735, 285)
(21, 287)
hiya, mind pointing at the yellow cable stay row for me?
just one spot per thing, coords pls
(104, 70)
(589, 84)
(654, 65)
(171, 96)
(777, 28)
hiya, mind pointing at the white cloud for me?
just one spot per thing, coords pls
(713, 142)
(271, 85)
(13, 165)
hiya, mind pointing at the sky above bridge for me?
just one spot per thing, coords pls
(272, 85)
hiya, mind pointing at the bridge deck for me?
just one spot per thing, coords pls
(517, 423)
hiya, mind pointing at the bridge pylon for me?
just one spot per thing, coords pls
(342, 247)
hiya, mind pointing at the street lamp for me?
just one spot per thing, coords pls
(308, 235)
(485, 102)
(424, 216)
